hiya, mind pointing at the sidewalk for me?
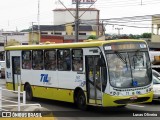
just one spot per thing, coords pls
(2, 84)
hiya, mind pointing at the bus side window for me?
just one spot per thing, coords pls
(26, 59)
(50, 59)
(64, 60)
(37, 59)
(8, 59)
(77, 60)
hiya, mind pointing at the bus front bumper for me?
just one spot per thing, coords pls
(111, 101)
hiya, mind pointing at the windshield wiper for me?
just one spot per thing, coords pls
(121, 57)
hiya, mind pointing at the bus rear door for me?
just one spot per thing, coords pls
(16, 72)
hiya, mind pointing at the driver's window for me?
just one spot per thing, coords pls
(139, 61)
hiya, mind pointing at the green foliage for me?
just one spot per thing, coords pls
(146, 35)
(131, 36)
(92, 37)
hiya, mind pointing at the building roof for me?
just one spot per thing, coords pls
(61, 27)
(73, 9)
(50, 27)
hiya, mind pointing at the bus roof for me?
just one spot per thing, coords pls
(93, 43)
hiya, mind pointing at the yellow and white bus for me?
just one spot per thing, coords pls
(99, 73)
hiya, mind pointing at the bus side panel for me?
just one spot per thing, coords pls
(49, 89)
(40, 77)
(53, 93)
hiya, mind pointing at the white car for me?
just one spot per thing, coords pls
(156, 85)
(155, 73)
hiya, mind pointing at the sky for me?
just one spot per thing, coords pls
(19, 14)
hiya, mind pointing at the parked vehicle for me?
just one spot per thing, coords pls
(156, 85)
(156, 74)
(155, 60)
(2, 69)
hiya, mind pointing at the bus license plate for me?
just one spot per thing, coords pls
(133, 98)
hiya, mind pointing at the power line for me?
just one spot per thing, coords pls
(125, 3)
(126, 21)
(66, 8)
(87, 8)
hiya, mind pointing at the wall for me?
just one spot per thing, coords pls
(69, 29)
(63, 17)
(52, 39)
(33, 37)
(20, 38)
(155, 38)
(155, 29)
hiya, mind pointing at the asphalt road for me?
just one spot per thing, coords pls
(68, 111)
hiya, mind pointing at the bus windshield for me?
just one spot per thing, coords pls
(129, 69)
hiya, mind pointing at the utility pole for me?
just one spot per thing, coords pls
(32, 36)
(119, 30)
(77, 21)
(38, 19)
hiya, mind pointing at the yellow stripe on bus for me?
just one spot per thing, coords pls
(68, 45)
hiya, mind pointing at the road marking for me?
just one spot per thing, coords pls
(136, 105)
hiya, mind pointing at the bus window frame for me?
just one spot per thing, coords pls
(30, 59)
(8, 63)
(50, 60)
(82, 60)
(39, 57)
(63, 60)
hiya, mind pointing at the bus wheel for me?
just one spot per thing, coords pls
(122, 106)
(29, 94)
(81, 100)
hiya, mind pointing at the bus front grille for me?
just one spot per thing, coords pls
(125, 101)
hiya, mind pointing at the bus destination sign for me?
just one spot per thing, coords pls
(127, 46)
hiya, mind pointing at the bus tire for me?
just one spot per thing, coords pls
(121, 106)
(81, 100)
(29, 94)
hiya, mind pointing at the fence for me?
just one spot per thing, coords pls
(14, 104)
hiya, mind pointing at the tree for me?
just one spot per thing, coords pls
(146, 35)
(92, 37)
(131, 36)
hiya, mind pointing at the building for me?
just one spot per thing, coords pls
(63, 33)
(11, 37)
(154, 44)
(67, 17)
(63, 16)
(155, 29)
(50, 29)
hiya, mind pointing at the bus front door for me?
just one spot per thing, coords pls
(93, 82)
(16, 72)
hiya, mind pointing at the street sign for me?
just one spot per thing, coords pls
(84, 1)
